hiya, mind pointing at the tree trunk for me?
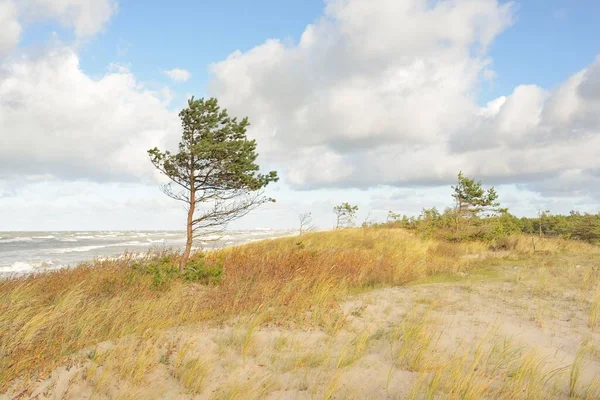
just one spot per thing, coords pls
(190, 218)
(190, 236)
(457, 212)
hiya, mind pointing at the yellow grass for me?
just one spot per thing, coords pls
(290, 282)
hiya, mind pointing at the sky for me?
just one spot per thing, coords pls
(376, 102)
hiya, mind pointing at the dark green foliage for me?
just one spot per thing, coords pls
(471, 199)
(478, 216)
(214, 155)
(164, 269)
(496, 228)
(198, 271)
(576, 225)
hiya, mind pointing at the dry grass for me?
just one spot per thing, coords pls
(495, 368)
(294, 282)
(46, 318)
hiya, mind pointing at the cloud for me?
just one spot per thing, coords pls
(11, 28)
(86, 17)
(375, 94)
(549, 137)
(178, 74)
(384, 93)
(64, 205)
(366, 79)
(58, 121)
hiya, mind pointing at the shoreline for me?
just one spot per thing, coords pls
(18, 269)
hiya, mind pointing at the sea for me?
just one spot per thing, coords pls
(23, 253)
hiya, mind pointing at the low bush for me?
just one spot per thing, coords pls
(197, 271)
(165, 268)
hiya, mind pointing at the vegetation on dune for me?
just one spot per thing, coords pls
(306, 222)
(293, 282)
(442, 225)
(477, 215)
(345, 215)
(214, 173)
(48, 317)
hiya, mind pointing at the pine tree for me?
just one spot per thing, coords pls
(471, 200)
(215, 170)
(345, 215)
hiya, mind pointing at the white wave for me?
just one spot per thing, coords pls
(44, 237)
(212, 237)
(68, 240)
(131, 243)
(156, 241)
(80, 249)
(84, 237)
(17, 267)
(21, 267)
(16, 240)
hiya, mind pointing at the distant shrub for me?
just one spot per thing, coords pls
(504, 243)
(196, 270)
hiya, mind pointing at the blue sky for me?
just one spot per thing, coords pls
(153, 36)
(549, 40)
(380, 102)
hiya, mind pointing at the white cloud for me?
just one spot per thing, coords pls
(11, 28)
(377, 93)
(382, 92)
(63, 205)
(549, 137)
(54, 119)
(86, 17)
(367, 78)
(178, 74)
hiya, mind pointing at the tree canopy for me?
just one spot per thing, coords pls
(215, 169)
(345, 215)
(471, 199)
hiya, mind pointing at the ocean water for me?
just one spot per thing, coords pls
(30, 252)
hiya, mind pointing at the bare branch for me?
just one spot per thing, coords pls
(306, 222)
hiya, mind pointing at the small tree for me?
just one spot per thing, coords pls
(345, 215)
(306, 222)
(471, 200)
(367, 222)
(541, 215)
(393, 217)
(215, 169)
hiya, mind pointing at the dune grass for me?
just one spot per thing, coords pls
(294, 282)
